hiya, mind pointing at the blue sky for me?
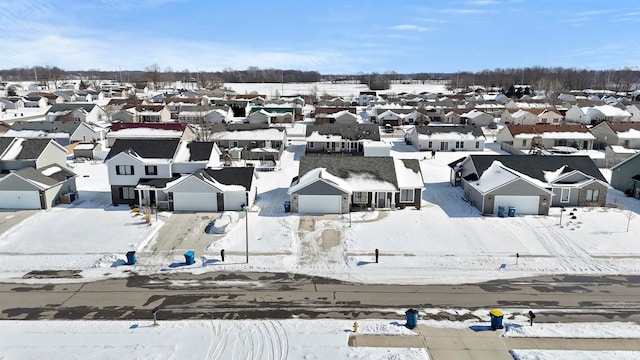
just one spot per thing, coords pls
(325, 36)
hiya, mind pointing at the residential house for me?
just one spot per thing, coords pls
(445, 137)
(88, 112)
(478, 118)
(168, 130)
(625, 134)
(152, 114)
(265, 117)
(64, 132)
(336, 185)
(31, 188)
(206, 115)
(213, 190)
(598, 114)
(625, 176)
(634, 110)
(12, 102)
(18, 153)
(178, 104)
(529, 183)
(560, 138)
(250, 141)
(340, 138)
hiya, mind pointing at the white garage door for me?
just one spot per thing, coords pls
(319, 204)
(194, 202)
(19, 200)
(526, 205)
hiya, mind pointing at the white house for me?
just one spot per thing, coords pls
(446, 138)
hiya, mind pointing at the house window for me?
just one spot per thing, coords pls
(477, 144)
(429, 145)
(124, 170)
(561, 142)
(128, 193)
(233, 144)
(151, 170)
(311, 145)
(406, 195)
(564, 195)
(592, 195)
(524, 142)
(360, 197)
(459, 144)
(626, 143)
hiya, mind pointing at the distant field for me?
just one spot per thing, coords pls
(343, 90)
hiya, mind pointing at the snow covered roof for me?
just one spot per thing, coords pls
(319, 174)
(609, 111)
(408, 177)
(257, 134)
(497, 175)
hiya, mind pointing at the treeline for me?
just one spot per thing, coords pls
(547, 79)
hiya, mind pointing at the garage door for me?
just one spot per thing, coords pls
(527, 205)
(319, 204)
(194, 202)
(19, 200)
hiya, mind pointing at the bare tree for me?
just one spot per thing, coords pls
(153, 74)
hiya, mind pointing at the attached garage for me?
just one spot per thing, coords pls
(525, 205)
(195, 202)
(320, 204)
(19, 199)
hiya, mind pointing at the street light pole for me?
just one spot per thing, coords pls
(246, 231)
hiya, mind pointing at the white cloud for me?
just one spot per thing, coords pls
(409, 27)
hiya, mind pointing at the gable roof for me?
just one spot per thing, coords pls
(618, 126)
(347, 131)
(159, 126)
(242, 176)
(25, 149)
(70, 106)
(200, 151)
(544, 128)
(474, 130)
(49, 175)
(68, 127)
(380, 167)
(536, 166)
(146, 148)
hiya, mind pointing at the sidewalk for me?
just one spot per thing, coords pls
(460, 344)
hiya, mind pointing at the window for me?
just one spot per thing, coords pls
(560, 142)
(151, 170)
(233, 143)
(564, 195)
(406, 195)
(626, 143)
(477, 144)
(592, 195)
(128, 192)
(124, 170)
(360, 197)
(524, 142)
(311, 145)
(429, 145)
(459, 144)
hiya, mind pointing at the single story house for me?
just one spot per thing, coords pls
(625, 176)
(31, 188)
(445, 137)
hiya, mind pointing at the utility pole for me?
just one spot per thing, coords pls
(246, 232)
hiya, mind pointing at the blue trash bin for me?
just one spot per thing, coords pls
(412, 318)
(131, 258)
(501, 211)
(496, 319)
(512, 211)
(287, 206)
(189, 257)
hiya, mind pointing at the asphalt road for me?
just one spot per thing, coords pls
(276, 296)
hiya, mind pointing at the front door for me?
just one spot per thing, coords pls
(444, 146)
(152, 197)
(382, 200)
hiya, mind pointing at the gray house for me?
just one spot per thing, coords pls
(64, 132)
(529, 183)
(31, 188)
(336, 185)
(625, 176)
(340, 138)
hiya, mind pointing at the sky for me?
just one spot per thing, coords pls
(328, 36)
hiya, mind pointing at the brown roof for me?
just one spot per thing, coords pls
(250, 96)
(623, 126)
(155, 108)
(540, 129)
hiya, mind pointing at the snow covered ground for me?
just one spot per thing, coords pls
(322, 88)
(446, 241)
(265, 340)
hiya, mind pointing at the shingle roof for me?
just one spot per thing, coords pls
(347, 131)
(199, 151)
(31, 148)
(70, 106)
(37, 175)
(49, 126)
(231, 175)
(146, 148)
(428, 129)
(381, 167)
(540, 129)
(618, 126)
(161, 126)
(247, 127)
(536, 165)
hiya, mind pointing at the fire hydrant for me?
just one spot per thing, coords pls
(355, 327)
